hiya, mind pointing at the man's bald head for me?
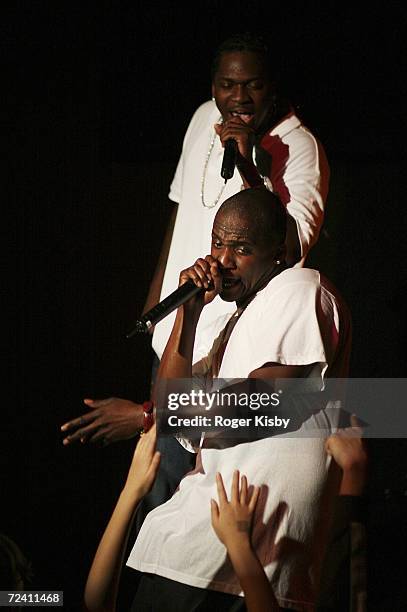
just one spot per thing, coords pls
(260, 212)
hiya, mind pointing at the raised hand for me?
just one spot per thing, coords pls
(232, 520)
(348, 449)
(103, 579)
(204, 273)
(237, 129)
(144, 466)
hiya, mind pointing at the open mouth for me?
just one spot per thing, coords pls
(244, 116)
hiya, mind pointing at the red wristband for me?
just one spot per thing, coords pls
(148, 416)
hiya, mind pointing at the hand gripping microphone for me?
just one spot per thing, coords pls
(229, 159)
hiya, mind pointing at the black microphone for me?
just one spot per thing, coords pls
(164, 308)
(229, 159)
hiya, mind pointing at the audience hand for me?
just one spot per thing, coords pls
(232, 520)
(104, 575)
(144, 467)
(109, 420)
(348, 449)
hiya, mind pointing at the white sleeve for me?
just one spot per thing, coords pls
(204, 350)
(306, 178)
(176, 185)
(300, 176)
(177, 181)
(296, 326)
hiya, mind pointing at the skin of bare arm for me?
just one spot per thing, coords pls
(232, 521)
(348, 449)
(176, 361)
(104, 575)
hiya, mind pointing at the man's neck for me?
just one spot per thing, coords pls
(246, 301)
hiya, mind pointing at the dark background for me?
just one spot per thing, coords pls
(97, 99)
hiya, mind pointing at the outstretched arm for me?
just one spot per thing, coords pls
(103, 579)
(232, 522)
(108, 420)
(346, 554)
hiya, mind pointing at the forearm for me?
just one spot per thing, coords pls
(252, 178)
(300, 176)
(104, 575)
(176, 361)
(257, 590)
(249, 173)
(154, 291)
(353, 481)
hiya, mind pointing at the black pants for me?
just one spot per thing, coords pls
(156, 594)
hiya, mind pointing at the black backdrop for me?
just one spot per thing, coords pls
(97, 100)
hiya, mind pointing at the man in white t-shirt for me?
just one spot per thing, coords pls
(274, 147)
(289, 323)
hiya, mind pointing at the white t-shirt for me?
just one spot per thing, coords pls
(297, 319)
(299, 174)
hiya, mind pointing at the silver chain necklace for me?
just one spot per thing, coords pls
(204, 176)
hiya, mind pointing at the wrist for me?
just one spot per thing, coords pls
(249, 173)
(148, 416)
(137, 416)
(353, 481)
(129, 498)
(242, 557)
(237, 547)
